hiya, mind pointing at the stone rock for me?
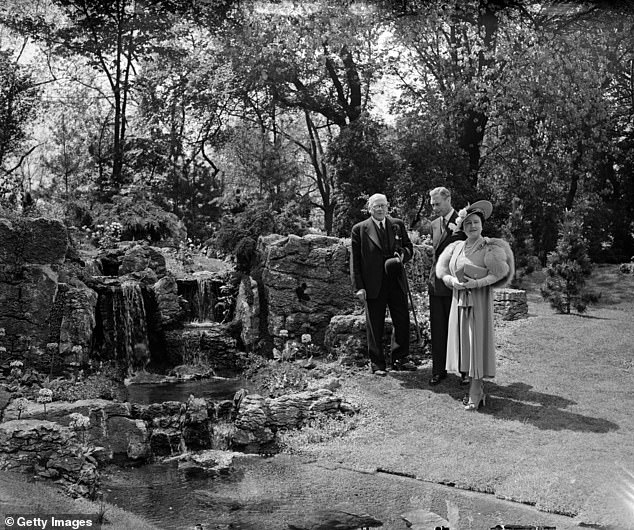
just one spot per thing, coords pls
(258, 418)
(141, 257)
(168, 301)
(128, 438)
(329, 383)
(57, 411)
(164, 442)
(211, 461)
(5, 397)
(197, 428)
(32, 241)
(346, 338)
(67, 465)
(33, 437)
(28, 300)
(510, 304)
(306, 281)
(247, 311)
(78, 323)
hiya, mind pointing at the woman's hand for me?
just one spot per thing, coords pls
(457, 285)
(471, 284)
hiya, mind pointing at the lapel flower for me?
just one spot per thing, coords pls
(452, 227)
(397, 231)
(462, 214)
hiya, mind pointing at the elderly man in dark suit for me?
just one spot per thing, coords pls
(380, 247)
(443, 231)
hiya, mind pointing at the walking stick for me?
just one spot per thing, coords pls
(368, 325)
(411, 301)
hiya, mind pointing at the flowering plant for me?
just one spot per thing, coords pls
(462, 214)
(79, 423)
(45, 395)
(21, 404)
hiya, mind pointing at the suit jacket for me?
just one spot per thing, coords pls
(368, 258)
(440, 239)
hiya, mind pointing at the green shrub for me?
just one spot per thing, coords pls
(567, 268)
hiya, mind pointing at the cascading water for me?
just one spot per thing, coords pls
(133, 325)
(123, 324)
(205, 300)
(202, 293)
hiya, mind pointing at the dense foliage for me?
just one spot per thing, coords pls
(240, 119)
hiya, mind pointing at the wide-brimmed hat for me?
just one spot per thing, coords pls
(482, 207)
(393, 267)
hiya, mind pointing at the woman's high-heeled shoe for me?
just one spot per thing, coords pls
(471, 405)
(477, 397)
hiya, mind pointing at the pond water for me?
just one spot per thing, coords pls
(173, 498)
(215, 388)
(268, 493)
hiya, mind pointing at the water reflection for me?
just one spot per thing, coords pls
(173, 498)
(215, 388)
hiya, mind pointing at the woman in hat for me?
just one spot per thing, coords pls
(472, 268)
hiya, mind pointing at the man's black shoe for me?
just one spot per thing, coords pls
(376, 369)
(403, 366)
(437, 378)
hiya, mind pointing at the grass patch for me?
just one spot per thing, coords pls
(19, 495)
(320, 429)
(557, 432)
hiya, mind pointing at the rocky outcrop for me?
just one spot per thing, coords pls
(169, 304)
(306, 281)
(139, 258)
(259, 418)
(31, 252)
(346, 337)
(247, 312)
(77, 322)
(32, 241)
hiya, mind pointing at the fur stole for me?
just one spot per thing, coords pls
(498, 259)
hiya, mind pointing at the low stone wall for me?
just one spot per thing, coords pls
(510, 304)
(124, 432)
(48, 450)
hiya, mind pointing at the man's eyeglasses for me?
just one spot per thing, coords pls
(380, 206)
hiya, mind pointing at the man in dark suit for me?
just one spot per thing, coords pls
(380, 247)
(442, 234)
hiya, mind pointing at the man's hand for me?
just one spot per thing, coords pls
(360, 294)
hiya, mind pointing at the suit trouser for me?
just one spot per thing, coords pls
(439, 308)
(393, 296)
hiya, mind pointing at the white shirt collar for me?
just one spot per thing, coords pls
(448, 216)
(377, 223)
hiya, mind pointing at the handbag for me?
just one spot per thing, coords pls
(474, 272)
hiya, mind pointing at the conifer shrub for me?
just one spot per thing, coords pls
(567, 268)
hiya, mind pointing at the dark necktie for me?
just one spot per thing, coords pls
(383, 236)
